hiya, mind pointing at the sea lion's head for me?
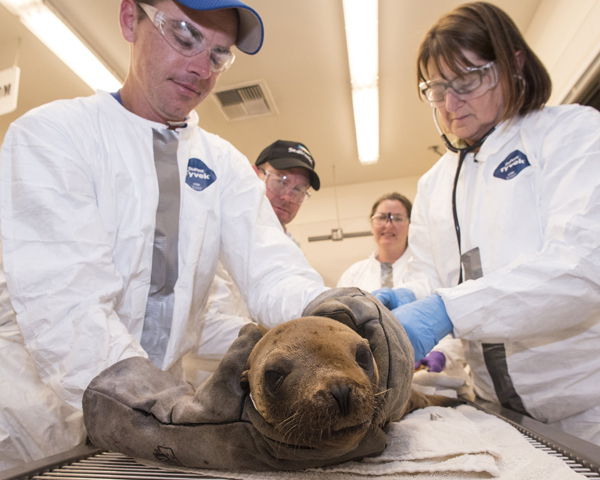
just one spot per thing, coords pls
(315, 382)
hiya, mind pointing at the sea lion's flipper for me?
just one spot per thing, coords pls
(137, 409)
(421, 400)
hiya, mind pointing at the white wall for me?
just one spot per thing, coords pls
(319, 215)
(565, 34)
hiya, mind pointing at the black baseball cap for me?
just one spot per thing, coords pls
(284, 154)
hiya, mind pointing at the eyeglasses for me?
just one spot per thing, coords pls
(283, 185)
(380, 219)
(472, 84)
(187, 39)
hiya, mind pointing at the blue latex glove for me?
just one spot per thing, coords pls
(434, 362)
(426, 323)
(392, 299)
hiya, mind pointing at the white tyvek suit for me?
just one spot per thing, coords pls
(366, 274)
(78, 198)
(537, 225)
(225, 314)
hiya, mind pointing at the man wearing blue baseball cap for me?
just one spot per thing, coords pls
(114, 210)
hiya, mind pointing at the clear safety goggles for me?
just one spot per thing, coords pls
(187, 39)
(380, 219)
(474, 83)
(284, 185)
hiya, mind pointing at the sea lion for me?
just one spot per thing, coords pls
(313, 392)
(315, 381)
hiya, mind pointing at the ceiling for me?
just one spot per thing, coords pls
(305, 66)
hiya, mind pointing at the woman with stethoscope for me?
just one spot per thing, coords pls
(505, 228)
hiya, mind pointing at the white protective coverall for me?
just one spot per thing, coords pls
(530, 200)
(78, 200)
(366, 274)
(225, 314)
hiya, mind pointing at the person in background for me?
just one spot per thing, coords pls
(288, 170)
(114, 212)
(505, 226)
(390, 219)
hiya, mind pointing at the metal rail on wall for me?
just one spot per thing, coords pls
(337, 234)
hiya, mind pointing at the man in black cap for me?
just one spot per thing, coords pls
(288, 170)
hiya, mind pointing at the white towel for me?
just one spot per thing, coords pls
(452, 382)
(438, 443)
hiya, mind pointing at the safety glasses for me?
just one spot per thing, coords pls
(380, 219)
(187, 39)
(474, 83)
(284, 185)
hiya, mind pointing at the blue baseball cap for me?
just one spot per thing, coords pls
(250, 32)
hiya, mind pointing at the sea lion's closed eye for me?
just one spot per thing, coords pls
(364, 359)
(274, 379)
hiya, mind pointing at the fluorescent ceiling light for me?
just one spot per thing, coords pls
(366, 120)
(361, 19)
(45, 25)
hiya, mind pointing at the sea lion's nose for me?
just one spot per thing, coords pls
(341, 393)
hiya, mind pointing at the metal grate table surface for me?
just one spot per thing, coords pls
(89, 463)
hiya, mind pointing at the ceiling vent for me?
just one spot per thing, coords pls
(249, 100)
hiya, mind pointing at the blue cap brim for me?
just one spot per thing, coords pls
(250, 32)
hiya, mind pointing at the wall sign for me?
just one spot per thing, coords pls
(9, 89)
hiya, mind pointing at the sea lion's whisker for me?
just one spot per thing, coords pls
(379, 416)
(301, 435)
(293, 425)
(284, 423)
(287, 428)
(290, 432)
(382, 392)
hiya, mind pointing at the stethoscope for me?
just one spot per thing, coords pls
(462, 153)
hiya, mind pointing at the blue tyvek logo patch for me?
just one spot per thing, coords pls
(198, 175)
(512, 165)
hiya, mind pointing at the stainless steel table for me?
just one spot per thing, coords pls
(89, 463)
